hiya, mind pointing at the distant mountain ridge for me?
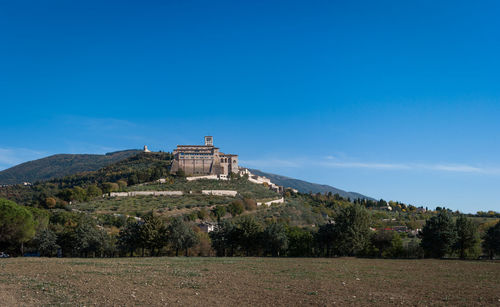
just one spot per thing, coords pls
(306, 187)
(61, 165)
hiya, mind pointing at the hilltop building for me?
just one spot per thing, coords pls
(204, 160)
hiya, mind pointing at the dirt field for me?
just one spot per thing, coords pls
(247, 281)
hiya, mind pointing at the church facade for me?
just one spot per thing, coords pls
(204, 160)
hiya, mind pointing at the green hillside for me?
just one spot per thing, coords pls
(60, 165)
(83, 193)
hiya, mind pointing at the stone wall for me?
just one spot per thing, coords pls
(219, 192)
(145, 193)
(208, 177)
(268, 203)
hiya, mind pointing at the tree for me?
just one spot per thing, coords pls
(326, 237)
(204, 246)
(438, 235)
(275, 239)
(50, 202)
(133, 179)
(79, 194)
(222, 238)
(129, 238)
(396, 250)
(110, 247)
(467, 243)
(181, 236)
(491, 242)
(381, 242)
(16, 224)
(66, 194)
(299, 242)
(153, 233)
(352, 230)
(40, 218)
(236, 208)
(109, 187)
(66, 239)
(122, 185)
(219, 212)
(89, 239)
(249, 234)
(45, 242)
(93, 191)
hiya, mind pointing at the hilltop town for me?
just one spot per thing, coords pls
(207, 162)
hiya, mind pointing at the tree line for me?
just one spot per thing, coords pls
(31, 230)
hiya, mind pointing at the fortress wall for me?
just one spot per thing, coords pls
(196, 166)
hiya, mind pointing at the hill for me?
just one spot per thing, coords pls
(306, 187)
(61, 165)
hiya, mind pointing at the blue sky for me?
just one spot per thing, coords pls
(393, 99)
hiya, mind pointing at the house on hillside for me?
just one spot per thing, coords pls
(206, 227)
(400, 228)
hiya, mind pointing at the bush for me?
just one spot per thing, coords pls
(50, 202)
(249, 204)
(122, 185)
(202, 214)
(109, 187)
(236, 207)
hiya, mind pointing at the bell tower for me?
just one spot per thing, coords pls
(209, 141)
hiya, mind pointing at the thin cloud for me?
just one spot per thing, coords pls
(463, 168)
(460, 168)
(387, 166)
(333, 162)
(271, 163)
(13, 156)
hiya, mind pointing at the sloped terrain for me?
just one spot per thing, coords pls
(60, 165)
(306, 187)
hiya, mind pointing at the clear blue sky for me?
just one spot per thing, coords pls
(393, 99)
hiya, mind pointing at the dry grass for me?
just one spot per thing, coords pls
(247, 281)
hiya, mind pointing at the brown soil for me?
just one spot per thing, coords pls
(247, 281)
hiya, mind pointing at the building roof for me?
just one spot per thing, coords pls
(207, 146)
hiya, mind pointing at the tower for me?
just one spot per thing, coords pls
(209, 141)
